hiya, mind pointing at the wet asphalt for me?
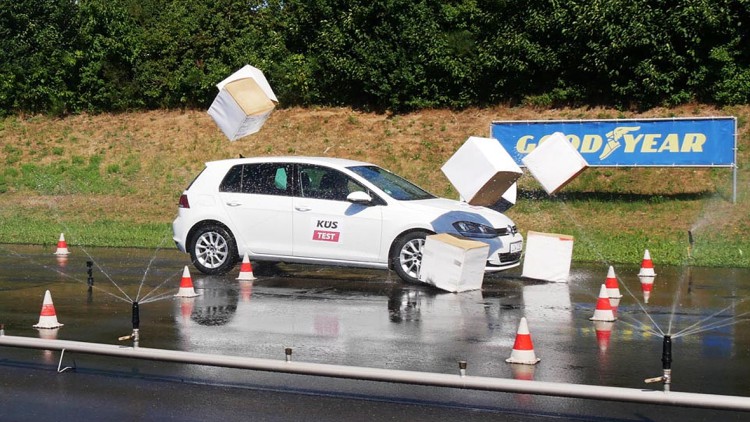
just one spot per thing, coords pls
(361, 318)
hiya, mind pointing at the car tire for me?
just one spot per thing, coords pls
(406, 255)
(213, 250)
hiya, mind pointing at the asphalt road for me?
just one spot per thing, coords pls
(357, 318)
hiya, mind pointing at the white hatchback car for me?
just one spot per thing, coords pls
(326, 211)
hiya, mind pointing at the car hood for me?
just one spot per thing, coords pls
(446, 211)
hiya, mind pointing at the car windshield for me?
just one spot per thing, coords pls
(395, 186)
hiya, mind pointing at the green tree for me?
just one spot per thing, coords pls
(189, 46)
(387, 54)
(38, 58)
(110, 43)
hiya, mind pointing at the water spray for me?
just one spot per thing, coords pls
(666, 364)
(135, 335)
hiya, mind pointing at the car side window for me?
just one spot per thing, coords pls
(261, 178)
(325, 183)
(232, 182)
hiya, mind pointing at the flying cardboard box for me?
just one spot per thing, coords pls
(244, 103)
(453, 263)
(548, 256)
(481, 171)
(555, 162)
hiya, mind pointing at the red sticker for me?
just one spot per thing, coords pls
(326, 236)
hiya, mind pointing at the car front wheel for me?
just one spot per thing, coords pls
(213, 250)
(406, 256)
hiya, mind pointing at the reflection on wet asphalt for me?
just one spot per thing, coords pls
(370, 318)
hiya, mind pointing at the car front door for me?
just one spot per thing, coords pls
(326, 225)
(258, 199)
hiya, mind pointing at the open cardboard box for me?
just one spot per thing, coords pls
(244, 103)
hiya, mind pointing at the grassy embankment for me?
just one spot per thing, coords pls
(114, 180)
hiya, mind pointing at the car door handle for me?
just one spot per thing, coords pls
(233, 204)
(302, 208)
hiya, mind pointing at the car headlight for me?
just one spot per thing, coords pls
(471, 229)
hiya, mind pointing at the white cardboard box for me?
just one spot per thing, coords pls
(244, 103)
(555, 162)
(481, 171)
(548, 256)
(453, 263)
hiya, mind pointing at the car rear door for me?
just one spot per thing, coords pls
(258, 199)
(326, 225)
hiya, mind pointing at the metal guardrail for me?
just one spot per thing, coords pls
(460, 380)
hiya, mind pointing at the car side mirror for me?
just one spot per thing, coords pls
(359, 197)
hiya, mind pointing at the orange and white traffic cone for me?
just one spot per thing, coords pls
(613, 288)
(603, 311)
(523, 349)
(48, 317)
(647, 266)
(186, 285)
(246, 270)
(647, 285)
(62, 246)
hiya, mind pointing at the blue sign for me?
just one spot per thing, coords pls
(629, 142)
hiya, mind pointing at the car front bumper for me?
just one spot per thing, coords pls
(505, 253)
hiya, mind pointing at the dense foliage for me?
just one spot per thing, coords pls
(68, 56)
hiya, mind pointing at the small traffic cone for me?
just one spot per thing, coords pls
(603, 311)
(603, 334)
(523, 349)
(647, 266)
(186, 285)
(48, 317)
(613, 289)
(246, 270)
(62, 246)
(647, 285)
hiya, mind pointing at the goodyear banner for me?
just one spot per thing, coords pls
(629, 142)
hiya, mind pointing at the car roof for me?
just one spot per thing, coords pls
(327, 161)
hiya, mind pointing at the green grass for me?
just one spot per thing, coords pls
(38, 230)
(674, 249)
(77, 175)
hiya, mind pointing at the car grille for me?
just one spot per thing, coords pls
(506, 230)
(509, 258)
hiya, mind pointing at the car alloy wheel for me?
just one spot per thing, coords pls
(407, 257)
(213, 250)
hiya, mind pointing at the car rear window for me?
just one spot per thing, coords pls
(260, 178)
